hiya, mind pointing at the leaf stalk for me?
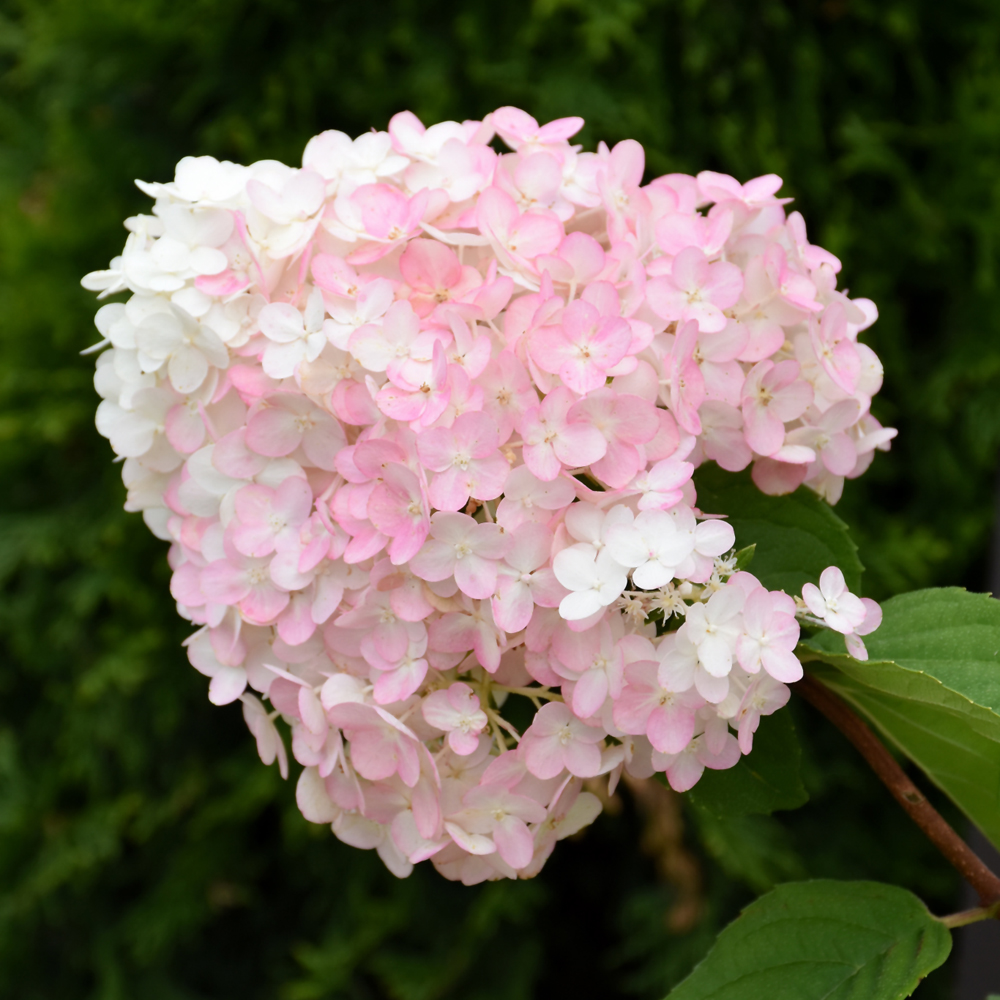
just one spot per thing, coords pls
(973, 916)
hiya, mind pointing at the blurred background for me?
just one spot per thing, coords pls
(144, 850)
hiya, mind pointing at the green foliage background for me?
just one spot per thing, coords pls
(144, 851)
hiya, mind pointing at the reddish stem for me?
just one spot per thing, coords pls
(968, 864)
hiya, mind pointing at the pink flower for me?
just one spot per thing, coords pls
(471, 628)
(619, 183)
(456, 712)
(684, 769)
(246, 582)
(578, 260)
(527, 498)
(283, 422)
(770, 634)
(716, 355)
(835, 351)
(534, 180)
(435, 274)
(470, 352)
(825, 434)
(676, 231)
(492, 810)
(466, 459)
(229, 680)
(772, 394)
(873, 618)
(684, 378)
(722, 438)
(662, 484)
(582, 349)
(397, 680)
(460, 547)
(406, 592)
(721, 188)
(647, 708)
(420, 404)
(507, 392)
(516, 239)
(525, 579)
(269, 742)
(376, 346)
(384, 215)
(267, 517)
(388, 630)
(696, 290)
(791, 287)
(552, 439)
(381, 745)
(627, 422)
(763, 696)
(517, 128)
(558, 741)
(397, 507)
(594, 663)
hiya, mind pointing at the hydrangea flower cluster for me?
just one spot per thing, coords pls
(420, 418)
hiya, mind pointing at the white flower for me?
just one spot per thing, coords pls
(833, 603)
(188, 248)
(714, 628)
(285, 207)
(202, 180)
(595, 579)
(836, 607)
(350, 314)
(707, 540)
(293, 336)
(347, 164)
(108, 282)
(186, 347)
(134, 432)
(652, 545)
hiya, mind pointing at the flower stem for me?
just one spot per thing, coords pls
(968, 864)
(500, 723)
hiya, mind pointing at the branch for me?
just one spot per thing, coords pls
(935, 826)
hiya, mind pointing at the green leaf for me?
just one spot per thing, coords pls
(756, 850)
(822, 939)
(745, 556)
(767, 779)
(797, 536)
(932, 687)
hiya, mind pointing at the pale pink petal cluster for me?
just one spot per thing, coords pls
(831, 604)
(419, 420)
